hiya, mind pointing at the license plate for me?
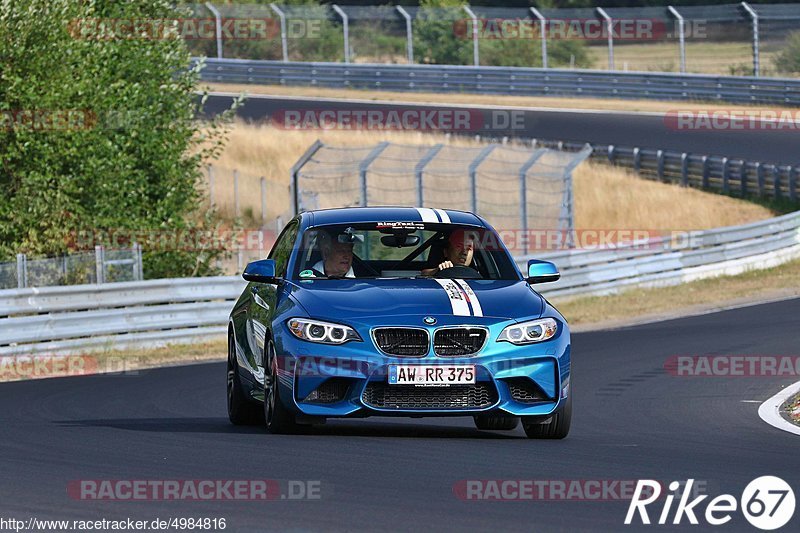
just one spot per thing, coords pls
(431, 374)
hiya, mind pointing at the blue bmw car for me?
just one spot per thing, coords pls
(397, 311)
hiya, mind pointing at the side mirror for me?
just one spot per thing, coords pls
(542, 272)
(262, 271)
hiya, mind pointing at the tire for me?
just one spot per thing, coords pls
(556, 428)
(279, 420)
(496, 422)
(241, 410)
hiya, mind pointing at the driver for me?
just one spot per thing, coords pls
(458, 252)
(337, 257)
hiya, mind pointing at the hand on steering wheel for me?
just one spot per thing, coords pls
(458, 272)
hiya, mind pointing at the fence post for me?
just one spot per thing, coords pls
(263, 200)
(523, 194)
(611, 153)
(294, 191)
(706, 171)
(610, 29)
(218, 27)
(345, 30)
(754, 17)
(660, 164)
(211, 185)
(100, 264)
(284, 42)
(760, 178)
(22, 271)
(138, 259)
(473, 174)
(236, 193)
(637, 159)
(409, 34)
(136, 252)
(684, 169)
(725, 175)
(419, 169)
(364, 166)
(543, 32)
(475, 53)
(681, 36)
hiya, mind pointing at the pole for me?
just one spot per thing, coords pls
(409, 34)
(681, 35)
(610, 28)
(22, 271)
(218, 27)
(346, 29)
(284, 42)
(475, 52)
(543, 31)
(754, 16)
(523, 192)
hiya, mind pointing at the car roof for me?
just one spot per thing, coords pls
(355, 215)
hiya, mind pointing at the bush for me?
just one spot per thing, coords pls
(788, 60)
(127, 158)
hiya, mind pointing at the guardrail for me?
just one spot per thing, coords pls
(507, 81)
(148, 313)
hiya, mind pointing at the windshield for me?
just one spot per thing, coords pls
(402, 250)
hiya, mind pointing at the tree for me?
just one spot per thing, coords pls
(100, 132)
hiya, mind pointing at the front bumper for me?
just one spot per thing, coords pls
(351, 380)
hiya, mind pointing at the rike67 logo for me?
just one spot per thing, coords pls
(767, 503)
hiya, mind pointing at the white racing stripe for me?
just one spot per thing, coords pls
(472, 298)
(443, 215)
(458, 301)
(427, 214)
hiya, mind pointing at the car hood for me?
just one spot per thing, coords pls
(338, 299)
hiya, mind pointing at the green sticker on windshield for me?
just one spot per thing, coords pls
(307, 274)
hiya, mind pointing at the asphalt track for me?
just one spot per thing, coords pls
(644, 130)
(632, 420)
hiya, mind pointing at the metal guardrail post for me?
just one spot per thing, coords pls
(756, 53)
(611, 153)
(284, 39)
(543, 31)
(345, 30)
(294, 191)
(135, 252)
(610, 29)
(211, 185)
(236, 193)
(792, 183)
(743, 177)
(139, 262)
(660, 164)
(684, 169)
(523, 194)
(681, 35)
(473, 174)
(100, 264)
(706, 171)
(409, 34)
(218, 27)
(475, 52)
(22, 271)
(263, 200)
(363, 167)
(760, 178)
(637, 159)
(419, 169)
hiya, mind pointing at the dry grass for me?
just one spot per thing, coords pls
(641, 304)
(605, 197)
(552, 102)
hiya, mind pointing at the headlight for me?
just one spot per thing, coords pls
(324, 332)
(529, 332)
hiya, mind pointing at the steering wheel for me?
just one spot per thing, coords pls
(459, 272)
